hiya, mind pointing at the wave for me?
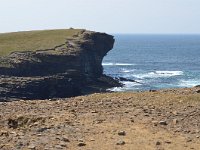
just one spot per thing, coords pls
(117, 64)
(127, 70)
(159, 74)
(127, 86)
(189, 83)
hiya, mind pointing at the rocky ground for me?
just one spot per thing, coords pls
(155, 120)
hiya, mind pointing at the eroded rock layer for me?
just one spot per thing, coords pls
(70, 69)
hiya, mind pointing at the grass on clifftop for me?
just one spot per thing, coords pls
(34, 40)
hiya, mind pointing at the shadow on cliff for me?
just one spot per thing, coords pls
(71, 69)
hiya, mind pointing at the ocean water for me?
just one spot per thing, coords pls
(154, 61)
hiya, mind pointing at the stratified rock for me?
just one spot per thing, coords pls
(70, 69)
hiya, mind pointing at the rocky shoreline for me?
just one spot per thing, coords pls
(69, 69)
(162, 120)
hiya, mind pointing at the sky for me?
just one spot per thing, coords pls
(111, 16)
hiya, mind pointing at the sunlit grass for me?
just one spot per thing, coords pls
(34, 40)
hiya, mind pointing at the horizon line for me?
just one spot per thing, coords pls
(125, 33)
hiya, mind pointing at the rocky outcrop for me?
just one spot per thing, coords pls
(70, 69)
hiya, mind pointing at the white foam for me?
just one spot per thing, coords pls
(127, 86)
(127, 70)
(159, 74)
(189, 83)
(117, 64)
(170, 73)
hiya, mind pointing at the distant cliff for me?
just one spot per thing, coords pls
(70, 68)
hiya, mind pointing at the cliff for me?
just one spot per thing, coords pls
(67, 69)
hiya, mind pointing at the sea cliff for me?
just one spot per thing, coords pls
(70, 68)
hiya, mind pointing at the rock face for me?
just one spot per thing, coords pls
(70, 69)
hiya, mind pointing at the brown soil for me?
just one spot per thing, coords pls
(157, 120)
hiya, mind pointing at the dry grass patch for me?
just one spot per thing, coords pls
(34, 40)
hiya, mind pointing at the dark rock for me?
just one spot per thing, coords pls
(188, 139)
(197, 91)
(158, 143)
(80, 144)
(126, 79)
(152, 90)
(163, 123)
(12, 123)
(65, 139)
(197, 86)
(168, 142)
(122, 133)
(120, 142)
(42, 129)
(74, 68)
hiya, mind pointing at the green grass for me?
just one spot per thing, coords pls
(34, 40)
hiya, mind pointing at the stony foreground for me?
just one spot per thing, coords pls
(161, 120)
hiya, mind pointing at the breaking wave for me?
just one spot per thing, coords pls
(117, 64)
(127, 86)
(159, 74)
(189, 83)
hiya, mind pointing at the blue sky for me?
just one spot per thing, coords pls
(112, 16)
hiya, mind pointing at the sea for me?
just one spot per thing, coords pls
(154, 61)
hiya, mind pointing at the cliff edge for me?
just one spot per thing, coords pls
(71, 67)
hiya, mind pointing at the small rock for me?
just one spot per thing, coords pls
(19, 145)
(13, 133)
(80, 140)
(4, 133)
(65, 139)
(174, 112)
(122, 133)
(155, 123)
(197, 91)
(31, 147)
(168, 142)
(42, 129)
(81, 144)
(93, 111)
(175, 121)
(163, 123)
(58, 147)
(39, 134)
(188, 140)
(152, 90)
(158, 143)
(120, 142)
(63, 144)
